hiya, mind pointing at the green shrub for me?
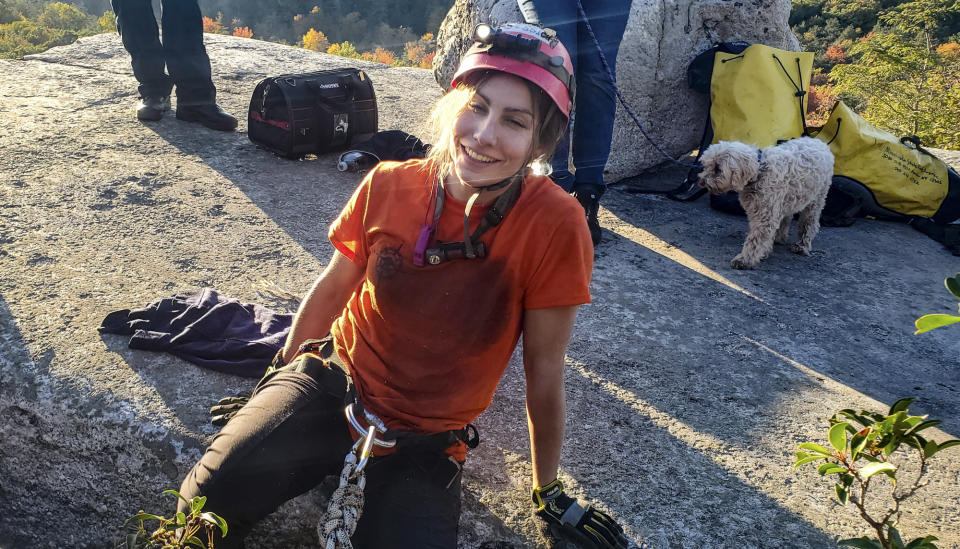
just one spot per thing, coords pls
(108, 22)
(24, 37)
(862, 443)
(65, 17)
(178, 532)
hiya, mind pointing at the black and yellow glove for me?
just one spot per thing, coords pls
(228, 407)
(590, 527)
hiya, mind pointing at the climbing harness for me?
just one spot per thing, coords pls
(346, 503)
(387, 441)
(339, 522)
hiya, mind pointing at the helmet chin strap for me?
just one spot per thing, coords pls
(467, 242)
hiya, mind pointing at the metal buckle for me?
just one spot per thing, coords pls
(374, 423)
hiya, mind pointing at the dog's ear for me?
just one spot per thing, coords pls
(743, 167)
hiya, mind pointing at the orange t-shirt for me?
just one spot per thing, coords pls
(426, 346)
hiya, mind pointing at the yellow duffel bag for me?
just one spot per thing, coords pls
(903, 179)
(759, 96)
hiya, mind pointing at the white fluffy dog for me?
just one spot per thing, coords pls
(774, 184)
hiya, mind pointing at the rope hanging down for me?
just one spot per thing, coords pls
(346, 503)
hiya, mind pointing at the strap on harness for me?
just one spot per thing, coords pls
(353, 410)
(471, 247)
(405, 441)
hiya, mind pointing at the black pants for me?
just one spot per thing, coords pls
(181, 52)
(289, 437)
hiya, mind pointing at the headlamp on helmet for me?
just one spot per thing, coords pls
(521, 47)
(505, 42)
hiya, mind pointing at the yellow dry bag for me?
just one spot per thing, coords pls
(758, 96)
(902, 178)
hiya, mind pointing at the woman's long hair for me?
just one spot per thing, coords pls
(548, 122)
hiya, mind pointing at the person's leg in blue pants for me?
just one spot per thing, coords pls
(562, 17)
(595, 99)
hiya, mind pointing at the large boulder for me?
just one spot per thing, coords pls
(662, 37)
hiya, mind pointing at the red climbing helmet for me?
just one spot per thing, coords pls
(530, 52)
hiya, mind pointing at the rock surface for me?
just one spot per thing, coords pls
(689, 384)
(661, 39)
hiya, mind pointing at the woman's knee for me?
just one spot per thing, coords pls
(283, 442)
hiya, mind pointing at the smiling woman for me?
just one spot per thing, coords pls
(493, 136)
(441, 265)
(486, 127)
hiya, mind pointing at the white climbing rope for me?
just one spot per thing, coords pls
(346, 503)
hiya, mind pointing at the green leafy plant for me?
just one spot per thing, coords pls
(862, 444)
(178, 532)
(931, 322)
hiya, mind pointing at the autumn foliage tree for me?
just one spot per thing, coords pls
(213, 26)
(835, 55)
(821, 97)
(344, 49)
(419, 53)
(315, 40)
(904, 81)
(380, 55)
(243, 32)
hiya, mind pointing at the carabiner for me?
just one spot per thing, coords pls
(374, 422)
(366, 450)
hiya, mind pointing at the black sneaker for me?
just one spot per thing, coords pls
(589, 197)
(209, 115)
(152, 108)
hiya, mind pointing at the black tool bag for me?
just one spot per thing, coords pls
(311, 113)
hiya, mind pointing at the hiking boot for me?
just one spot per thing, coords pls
(589, 197)
(152, 108)
(210, 115)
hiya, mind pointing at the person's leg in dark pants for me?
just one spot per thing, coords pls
(138, 30)
(186, 56)
(283, 442)
(596, 95)
(595, 92)
(182, 53)
(411, 501)
(595, 98)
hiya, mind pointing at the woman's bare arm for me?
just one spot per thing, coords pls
(324, 302)
(545, 336)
